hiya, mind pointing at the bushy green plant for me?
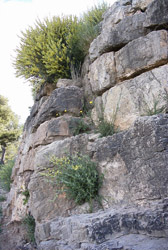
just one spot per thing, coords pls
(30, 224)
(50, 49)
(2, 198)
(76, 176)
(5, 174)
(27, 195)
(81, 127)
(47, 51)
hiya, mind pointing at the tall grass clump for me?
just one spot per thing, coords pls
(106, 128)
(5, 174)
(29, 223)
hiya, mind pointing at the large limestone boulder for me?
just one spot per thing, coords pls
(142, 54)
(136, 97)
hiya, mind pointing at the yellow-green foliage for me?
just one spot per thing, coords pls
(47, 50)
(51, 48)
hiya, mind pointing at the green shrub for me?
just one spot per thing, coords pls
(27, 195)
(81, 127)
(5, 174)
(49, 50)
(30, 224)
(2, 198)
(77, 176)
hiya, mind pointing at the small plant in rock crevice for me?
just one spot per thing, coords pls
(157, 108)
(108, 128)
(81, 127)
(86, 109)
(2, 198)
(29, 222)
(76, 176)
(27, 195)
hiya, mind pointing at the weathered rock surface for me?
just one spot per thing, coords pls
(135, 97)
(62, 100)
(55, 129)
(118, 11)
(134, 162)
(140, 4)
(130, 28)
(124, 229)
(156, 14)
(102, 73)
(45, 90)
(142, 54)
(68, 82)
(122, 25)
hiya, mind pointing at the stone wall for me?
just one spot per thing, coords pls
(124, 76)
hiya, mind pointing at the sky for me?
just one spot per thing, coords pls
(16, 16)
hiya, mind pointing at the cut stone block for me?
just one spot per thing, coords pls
(142, 54)
(130, 28)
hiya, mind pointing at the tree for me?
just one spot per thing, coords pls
(10, 130)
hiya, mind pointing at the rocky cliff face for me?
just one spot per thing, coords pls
(126, 78)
